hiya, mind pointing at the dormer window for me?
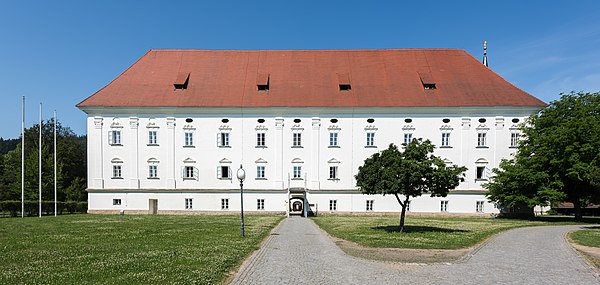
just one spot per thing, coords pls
(427, 80)
(181, 83)
(344, 82)
(262, 82)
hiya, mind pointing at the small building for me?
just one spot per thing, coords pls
(170, 132)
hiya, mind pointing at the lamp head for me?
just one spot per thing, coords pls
(241, 173)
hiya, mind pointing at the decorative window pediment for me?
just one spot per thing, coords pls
(224, 160)
(116, 123)
(481, 161)
(333, 160)
(224, 128)
(408, 127)
(514, 127)
(153, 160)
(446, 128)
(370, 128)
(152, 124)
(261, 128)
(189, 127)
(116, 160)
(334, 128)
(297, 160)
(260, 160)
(297, 128)
(189, 160)
(482, 127)
(447, 161)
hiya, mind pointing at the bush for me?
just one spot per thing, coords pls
(32, 207)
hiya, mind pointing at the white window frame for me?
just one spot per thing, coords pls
(115, 137)
(260, 172)
(479, 206)
(514, 139)
(152, 137)
(333, 139)
(189, 203)
(407, 138)
(117, 171)
(220, 172)
(370, 205)
(223, 139)
(445, 139)
(260, 204)
(188, 139)
(370, 139)
(333, 172)
(332, 205)
(261, 139)
(444, 206)
(477, 172)
(297, 139)
(153, 171)
(297, 172)
(224, 203)
(481, 139)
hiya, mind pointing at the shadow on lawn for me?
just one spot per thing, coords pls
(417, 229)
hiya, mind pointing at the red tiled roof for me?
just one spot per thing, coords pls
(309, 78)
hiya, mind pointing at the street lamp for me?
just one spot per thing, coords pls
(241, 175)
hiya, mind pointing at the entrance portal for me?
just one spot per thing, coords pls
(297, 206)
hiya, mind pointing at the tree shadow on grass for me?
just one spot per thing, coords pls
(417, 229)
(558, 219)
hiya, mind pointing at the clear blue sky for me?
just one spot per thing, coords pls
(60, 52)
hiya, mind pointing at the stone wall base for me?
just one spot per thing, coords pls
(186, 212)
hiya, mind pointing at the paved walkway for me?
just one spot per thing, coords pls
(298, 252)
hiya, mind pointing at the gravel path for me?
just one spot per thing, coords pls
(298, 252)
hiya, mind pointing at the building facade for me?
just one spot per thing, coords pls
(169, 134)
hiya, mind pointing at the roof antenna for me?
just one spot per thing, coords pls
(485, 62)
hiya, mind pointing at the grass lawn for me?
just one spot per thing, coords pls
(587, 237)
(130, 249)
(422, 233)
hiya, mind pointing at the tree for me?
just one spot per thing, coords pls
(411, 173)
(558, 159)
(71, 165)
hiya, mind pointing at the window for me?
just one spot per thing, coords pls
(189, 173)
(188, 203)
(408, 206)
(117, 171)
(260, 204)
(260, 172)
(444, 206)
(370, 139)
(481, 141)
(116, 202)
(297, 172)
(152, 171)
(480, 173)
(297, 140)
(407, 138)
(479, 206)
(514, 139)
(260, 139)
(189, 139)
(115, 137)
(333, 139)
(344, 81)
(428, 86)
(224, 172)
(224, 140)
(370, 205)
(333, 172)
(332, 205)
(152, 138)
(262, 82)
(445, 139)
(225, 204)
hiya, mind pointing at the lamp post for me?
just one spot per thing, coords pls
(241, 175)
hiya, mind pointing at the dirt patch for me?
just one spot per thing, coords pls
(592, 254)
(407, 255)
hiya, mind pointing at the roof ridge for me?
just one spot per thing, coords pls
(319, 50)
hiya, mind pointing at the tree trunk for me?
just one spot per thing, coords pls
(402, 215)
(577, 208)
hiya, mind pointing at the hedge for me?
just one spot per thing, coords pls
(32, 207)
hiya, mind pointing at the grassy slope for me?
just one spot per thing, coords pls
(587, 237)
(421, 233)
(98, 249)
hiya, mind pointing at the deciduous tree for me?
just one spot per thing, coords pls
(409, 173)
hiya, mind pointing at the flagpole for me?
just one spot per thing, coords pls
(40, 165)
(55, 163)
(23, 158)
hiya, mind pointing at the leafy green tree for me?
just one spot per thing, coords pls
(71, 165)
(411, 173)
(558, 159)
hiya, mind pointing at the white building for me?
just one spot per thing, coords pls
(169, 134)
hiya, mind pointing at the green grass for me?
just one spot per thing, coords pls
(130, 249)
(423, 233)
(587, 237)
